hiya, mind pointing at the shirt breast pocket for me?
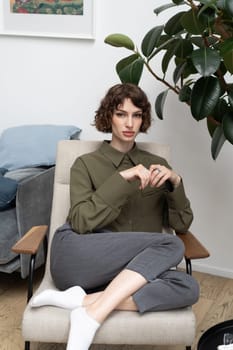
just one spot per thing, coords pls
(152, 192)
(152, 200)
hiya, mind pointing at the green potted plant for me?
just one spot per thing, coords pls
(197, 43)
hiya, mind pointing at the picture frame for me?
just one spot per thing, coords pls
(57, 25)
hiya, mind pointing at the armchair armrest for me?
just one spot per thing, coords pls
(30, 242)
(193, 247)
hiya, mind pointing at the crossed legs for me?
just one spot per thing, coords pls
(145, 259)
(74, 297)
(93, 309)
(86, 321)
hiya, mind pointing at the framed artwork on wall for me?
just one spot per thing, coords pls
(48, 18)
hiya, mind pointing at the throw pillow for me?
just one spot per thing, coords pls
(8, 188)
(32, 145)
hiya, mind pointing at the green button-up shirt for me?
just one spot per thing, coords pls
(101, 199)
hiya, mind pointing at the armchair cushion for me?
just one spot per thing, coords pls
(32, 145)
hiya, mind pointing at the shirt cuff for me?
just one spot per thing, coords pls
(177, 198)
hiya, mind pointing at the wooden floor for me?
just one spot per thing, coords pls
(215, 305)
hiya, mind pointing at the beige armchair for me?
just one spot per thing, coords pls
(51, 324)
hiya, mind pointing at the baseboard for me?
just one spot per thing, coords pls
(212, 270)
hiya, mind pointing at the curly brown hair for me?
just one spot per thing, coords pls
(115, 97)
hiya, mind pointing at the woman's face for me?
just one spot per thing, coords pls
(126, 123)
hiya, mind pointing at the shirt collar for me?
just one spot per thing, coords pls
(116, 156)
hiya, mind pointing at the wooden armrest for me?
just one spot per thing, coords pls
(193, 247)
(30, 242)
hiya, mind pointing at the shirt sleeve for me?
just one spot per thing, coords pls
(180, 215)
(94, 209)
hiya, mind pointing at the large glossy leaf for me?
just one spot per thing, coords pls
(130, 69)
(120, 40)
(159, 103)
(165, 45)
(126, 62)
(211, 125)
(192, 23)
(222, 69)
(163, 8)
(167, 6)
(169, 54)
(206, 61)
(180, 48)
(200, 42)
(204, 97)
(178, 2)
(218, 140)
(228, 126)
(228, 61)
(163, 40)
(178, 72)
(189, 68)
(220, 110)
(226, 46)
(166, 59)
(174, 26)
(185, 93)
(226, 50)
(207, 14)
(151, 39)
(184, 48)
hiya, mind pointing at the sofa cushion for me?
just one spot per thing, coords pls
(24, 173)
(9, 184)
(8, 188)
(32, 145)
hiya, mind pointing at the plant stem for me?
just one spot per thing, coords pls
(160, 79)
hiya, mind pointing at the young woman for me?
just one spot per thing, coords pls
(111, 254)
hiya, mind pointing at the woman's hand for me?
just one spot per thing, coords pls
(138, 172)
(159, 174)
(155, 176)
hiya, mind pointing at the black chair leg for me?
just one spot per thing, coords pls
(188, 348)
(30, 281)
(45, 245)
(27, 345)
(31, 276)
(188, 266)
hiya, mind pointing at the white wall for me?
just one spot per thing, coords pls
(61, 81)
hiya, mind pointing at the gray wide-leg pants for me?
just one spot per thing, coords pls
(93, 260)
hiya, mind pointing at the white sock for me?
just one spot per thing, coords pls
(68, 299)
(82, 330)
